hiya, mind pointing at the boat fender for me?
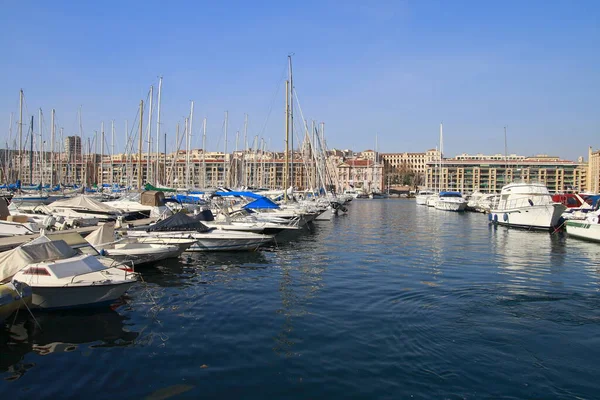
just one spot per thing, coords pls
(505, 217)
(495, 217)
(490, 217)
(103, 253)
(530, 202)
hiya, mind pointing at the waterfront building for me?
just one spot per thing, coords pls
(341, 169)
(361, 172)
(593, 172)
(408, 168)
(489, 174)
(73, 148)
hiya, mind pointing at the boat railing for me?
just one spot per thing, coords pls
(523, 202)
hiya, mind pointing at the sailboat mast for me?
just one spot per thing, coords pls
(149, 147)
(52, 133)
(186, 135)
(141, 132)
(83, 172)
(8, 153)
(204, 153)
(225, 169)
(157, 173)
(244, 165)
(60, 159)
(112, 152)
(287, 135)
(31, 152)
(189, 183)
(102, 156)
(39, 159)
(291, 116)
(128, 155)
(441, 171)
(20, 134)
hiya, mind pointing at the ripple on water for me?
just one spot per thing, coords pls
(393, 300)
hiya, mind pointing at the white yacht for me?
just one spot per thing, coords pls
(526, 205)
(423, 195)
(450, 201)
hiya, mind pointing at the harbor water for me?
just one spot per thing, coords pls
(392, 300)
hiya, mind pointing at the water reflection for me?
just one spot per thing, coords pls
(301, 280)
(189, 270)
(60, 332)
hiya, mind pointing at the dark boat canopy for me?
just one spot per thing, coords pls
(178, 222)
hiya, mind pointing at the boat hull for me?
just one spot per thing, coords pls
(451, 205)
(12, 298)
(216, 240)
(543, 217)
(583, 230)
(53, 297)
(208, 244)
(141, 256)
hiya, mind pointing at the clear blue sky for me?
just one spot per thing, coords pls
(392, 68)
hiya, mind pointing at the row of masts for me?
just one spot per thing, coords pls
(153, 161)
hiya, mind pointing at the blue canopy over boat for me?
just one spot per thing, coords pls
(261, 203)
(240, 194)
(450, 194)
(184, 199)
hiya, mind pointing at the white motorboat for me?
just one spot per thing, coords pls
(83, 207)
(128, 250)
(423, 195)
(378, 195)
(587, 229)
(180, 225)
(59, 278)
(431, 200)
(352, 192)
(182, 243)
(10, 228)
(483, 202)
(527, 205)
(223, 221)
(450, 201)
(148, 203)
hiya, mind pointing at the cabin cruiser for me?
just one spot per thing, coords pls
(180, 225)
(527, 205)
(423, 195)
(130, 250)
(60, 277)
(223, 221)
(450, 201)
(481, 202)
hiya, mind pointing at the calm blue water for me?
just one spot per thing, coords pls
(393, 300)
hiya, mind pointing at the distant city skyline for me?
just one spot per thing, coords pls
(394, 70)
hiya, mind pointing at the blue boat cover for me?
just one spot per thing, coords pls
(450, 194)
(262, 202)
(244, 194)
(182, 198)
